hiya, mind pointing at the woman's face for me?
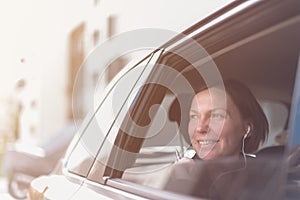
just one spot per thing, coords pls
(216, 128)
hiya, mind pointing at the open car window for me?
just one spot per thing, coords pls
(96, 136)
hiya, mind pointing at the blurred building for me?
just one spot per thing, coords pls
(45, 43)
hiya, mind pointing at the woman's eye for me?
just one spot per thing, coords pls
(218, 116)
(193, 116)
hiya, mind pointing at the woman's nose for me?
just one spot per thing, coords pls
(202, 125)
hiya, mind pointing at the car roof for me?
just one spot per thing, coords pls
(256, 45)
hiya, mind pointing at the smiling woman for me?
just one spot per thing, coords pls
(226, 122)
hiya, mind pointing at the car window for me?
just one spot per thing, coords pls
(145, 139)
(294, 139)
(150, 140)
(98, 132)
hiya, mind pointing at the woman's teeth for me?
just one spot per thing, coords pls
(207, 142)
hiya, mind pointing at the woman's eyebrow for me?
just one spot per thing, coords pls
(224, 109)
(194, 111)
(213, 109)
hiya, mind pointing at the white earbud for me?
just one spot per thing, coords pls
(243, 145)
(248, 131)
